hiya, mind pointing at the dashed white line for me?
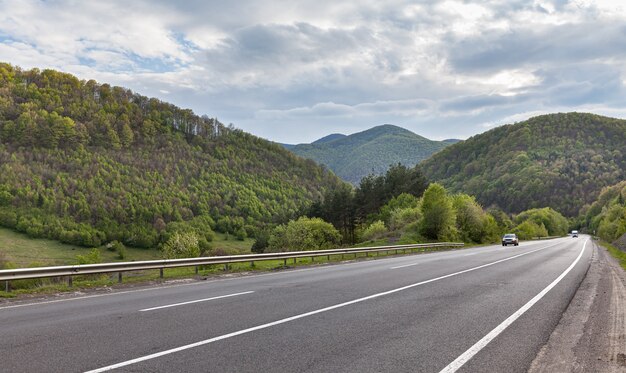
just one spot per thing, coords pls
(405, 265)
(300, 316)
(195, 301)
(467, 355)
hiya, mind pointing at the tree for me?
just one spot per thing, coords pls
(304, 234)
(181, 245)
(473, 223)
(438, 216)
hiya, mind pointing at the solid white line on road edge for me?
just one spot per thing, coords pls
(467, 355)
(300, 316)
(195, 301)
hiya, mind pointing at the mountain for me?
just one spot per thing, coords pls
(559, 160)
(369, 152)
(87, 163)
(330, 138)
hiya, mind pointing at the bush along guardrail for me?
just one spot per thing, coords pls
(9, 275)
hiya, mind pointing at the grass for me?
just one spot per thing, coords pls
(24, 251)
(49, 286)
(617, 253)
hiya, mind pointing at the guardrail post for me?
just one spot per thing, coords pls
(196, 269)
(69, 281)
(285, 262)
(312, 258)
(252, 264)
(119, 277)
(160, 272)
(328, 257)
(367, 254)
(226, 267)
(7, 286)
(294, 260)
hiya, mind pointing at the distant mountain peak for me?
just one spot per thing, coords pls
(329, 138)
(371, 151)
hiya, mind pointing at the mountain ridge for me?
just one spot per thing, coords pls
(372, 151)
(560, 160)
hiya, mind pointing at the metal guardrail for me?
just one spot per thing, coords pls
(9, 275)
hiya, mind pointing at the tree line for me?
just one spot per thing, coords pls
(401, 207)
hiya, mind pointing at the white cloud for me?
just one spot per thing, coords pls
(444, 69)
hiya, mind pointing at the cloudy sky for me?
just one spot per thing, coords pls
(294, 71)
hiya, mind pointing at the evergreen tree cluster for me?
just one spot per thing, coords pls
(87, 163)
(346, 207)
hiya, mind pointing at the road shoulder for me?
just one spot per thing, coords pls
(591, 336)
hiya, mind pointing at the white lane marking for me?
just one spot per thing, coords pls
(195, 301)
(481, 252)
(296, 317)
(467, 355)
(406, 265)
(205, 282)
(164, 287)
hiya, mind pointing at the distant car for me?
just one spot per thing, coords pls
(574, 234)
(510, 239)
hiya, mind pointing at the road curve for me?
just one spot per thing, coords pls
(474, 310)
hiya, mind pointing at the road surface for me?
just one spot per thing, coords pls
(487, 309)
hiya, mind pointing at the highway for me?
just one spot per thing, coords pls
(485, 309)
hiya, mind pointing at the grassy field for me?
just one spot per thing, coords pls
(56, 285)
(24, 251)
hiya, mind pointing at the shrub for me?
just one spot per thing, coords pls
(181, 245)
(92, 258)
(261, 242)
(529, 229)
(375, 230)
(304, 234)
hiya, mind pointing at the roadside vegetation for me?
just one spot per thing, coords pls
(607, 216)
(560, 161)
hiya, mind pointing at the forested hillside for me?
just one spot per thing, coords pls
(607, 216)
(560, 160)
(369, 152)
(87, 163)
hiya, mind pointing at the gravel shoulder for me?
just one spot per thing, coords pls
(591, 336)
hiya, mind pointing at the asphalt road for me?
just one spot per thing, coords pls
(487, 309)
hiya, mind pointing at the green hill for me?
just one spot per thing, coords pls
(369, 152)
(87, 163)
(560, 160)
(607, 216)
